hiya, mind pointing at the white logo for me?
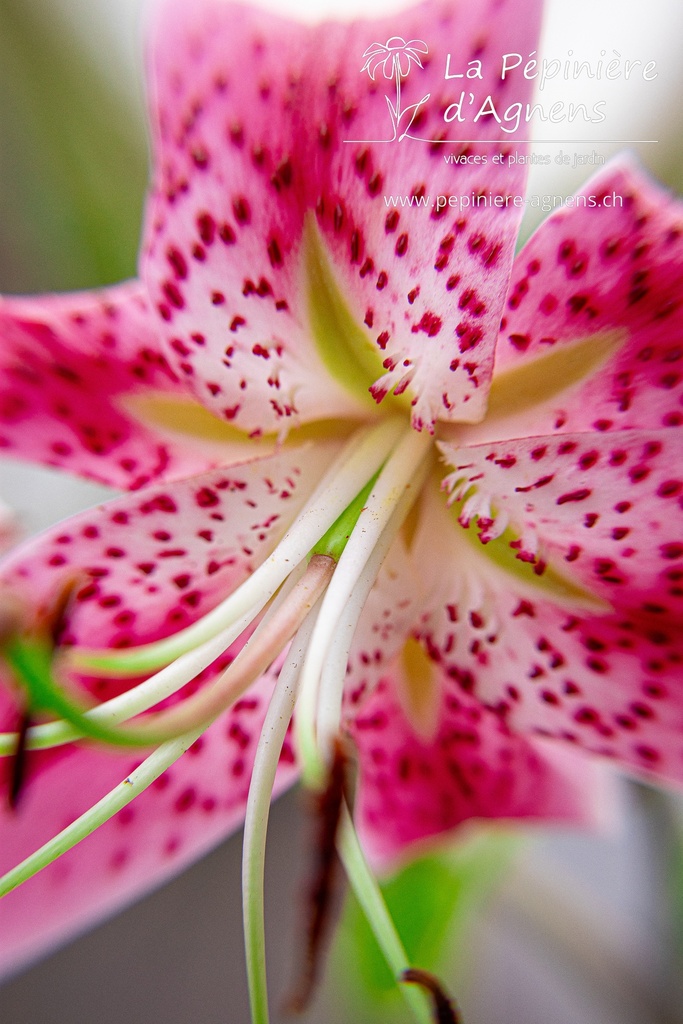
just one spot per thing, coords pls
(395, 58)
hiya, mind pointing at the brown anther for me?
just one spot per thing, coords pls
(12, 615)
(444, 1010)
(17, 766)
(328, 808)
(55, 617)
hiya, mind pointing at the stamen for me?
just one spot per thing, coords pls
(263, 774)
(333, 675)
(252, 661)
(404, 472)
(357, 463)
(328, 814)
(33, 667)
(131, 787)
(444, 1011)
(31, 664)
(248, 663)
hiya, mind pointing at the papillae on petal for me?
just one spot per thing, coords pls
(579, 642)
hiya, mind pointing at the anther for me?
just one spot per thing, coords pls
(18, 763)
(444, 1010)
(328, 807)
(56, 618)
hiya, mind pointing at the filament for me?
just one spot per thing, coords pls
(263, 774)
(403, 473)
(359, 460)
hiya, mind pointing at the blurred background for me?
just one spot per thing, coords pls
(542, 927)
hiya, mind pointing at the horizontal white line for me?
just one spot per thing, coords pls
(521, 142)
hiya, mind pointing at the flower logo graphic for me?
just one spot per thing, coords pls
(394, 58)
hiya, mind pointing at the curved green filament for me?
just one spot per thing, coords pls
(130, 703)
(199, 710)
(38, 679)
(131, 787)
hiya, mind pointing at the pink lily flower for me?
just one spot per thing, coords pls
(292, 340)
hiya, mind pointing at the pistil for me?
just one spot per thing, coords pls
(397, 487)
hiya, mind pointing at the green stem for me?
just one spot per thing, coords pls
(372, 903)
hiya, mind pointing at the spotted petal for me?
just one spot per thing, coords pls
(279, 247)
(432, 756)
(579, 639)
(84, 386)
(592, 337)
(414, 789)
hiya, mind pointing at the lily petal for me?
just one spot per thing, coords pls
(73, 371)
(600, 283)
(427, 284)
(534, 648)
(413, 790)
